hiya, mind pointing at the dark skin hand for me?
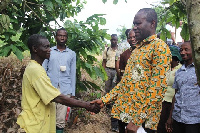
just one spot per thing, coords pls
(62, 99)
(131, 128)
(168, 124)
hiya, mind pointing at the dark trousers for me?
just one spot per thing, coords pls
(122, 126)
(114, 121)
(179, 127)
(166, 107)
(109, 84)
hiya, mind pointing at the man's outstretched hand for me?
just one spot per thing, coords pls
(98, 101)
(131, 128)
(93, 107)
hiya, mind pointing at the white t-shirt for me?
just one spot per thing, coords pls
(170, 29)
(178, 35)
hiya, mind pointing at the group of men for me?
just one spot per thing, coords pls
(138, 95)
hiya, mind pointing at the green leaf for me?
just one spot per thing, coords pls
(115, 2)
(59, 2)
(49, 5)
(77, 2)
(185, 32)
(17, 52)
(5, 50)
(94, 86)
(104, 1)
(171, 2)
(102, 21)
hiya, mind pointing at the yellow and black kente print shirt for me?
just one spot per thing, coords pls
(138, 96)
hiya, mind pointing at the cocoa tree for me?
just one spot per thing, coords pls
(21, 18)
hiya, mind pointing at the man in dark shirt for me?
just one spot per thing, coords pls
(126, 54)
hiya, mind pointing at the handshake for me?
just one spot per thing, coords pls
(94, 106)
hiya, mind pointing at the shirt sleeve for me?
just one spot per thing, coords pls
(112, 95)
(117, 56)
(175, 85)
(157, 86)
(105, 54)
(73, 74)
(45, 89)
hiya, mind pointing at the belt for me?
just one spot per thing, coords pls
(110, 68)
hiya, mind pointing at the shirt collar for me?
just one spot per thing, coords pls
(55, 48)
(147, 40)
(183, 68)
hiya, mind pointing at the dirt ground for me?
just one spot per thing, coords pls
(97, 123)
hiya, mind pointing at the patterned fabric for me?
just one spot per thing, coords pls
(138, 96)
(187, 103)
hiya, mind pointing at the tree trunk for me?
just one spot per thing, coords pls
(193, 12)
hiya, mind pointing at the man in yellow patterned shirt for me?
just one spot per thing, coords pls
(138, 96)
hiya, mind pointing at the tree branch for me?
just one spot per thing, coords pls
(47, 25)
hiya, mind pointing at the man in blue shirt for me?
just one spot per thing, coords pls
(61, 69)
(185, 114)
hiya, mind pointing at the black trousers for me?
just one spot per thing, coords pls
(122, 127)
(166, 107)
(179, 127)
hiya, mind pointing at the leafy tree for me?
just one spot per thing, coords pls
(188, 12)
(86, 42)
(21, 18)
(172, 11)
(122, 35)
(31, 17)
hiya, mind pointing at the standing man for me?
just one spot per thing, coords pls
(61, 69)
(126, 54)
(138, 96)
(185, 114)
(38, 94)
(109, 62)
(109, 66)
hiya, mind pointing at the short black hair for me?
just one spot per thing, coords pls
(151, 15)
(114, 35)
(127, 31)
(34, 40)
(61, 29)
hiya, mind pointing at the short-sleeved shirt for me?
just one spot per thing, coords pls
(187, 98)
(38, 112)
(109, 54)
(138, 96)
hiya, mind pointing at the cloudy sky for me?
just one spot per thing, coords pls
(116, 15)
